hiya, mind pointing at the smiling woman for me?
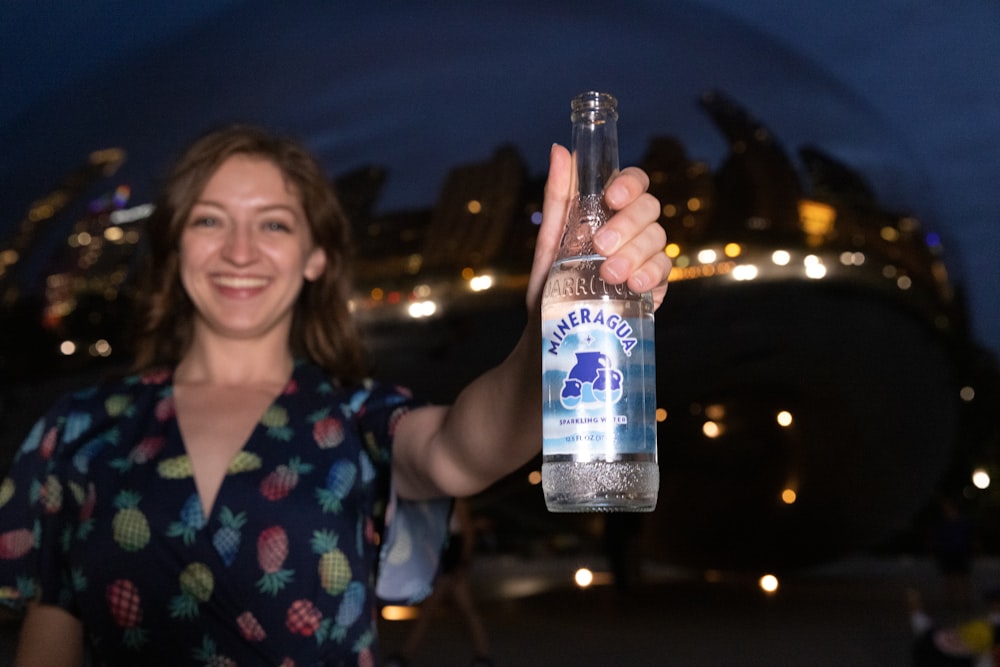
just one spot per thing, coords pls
(246, 478)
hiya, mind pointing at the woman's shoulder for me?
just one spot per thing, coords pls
(99, 407)
(116, 393)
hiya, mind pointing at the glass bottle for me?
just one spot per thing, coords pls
(598, 357)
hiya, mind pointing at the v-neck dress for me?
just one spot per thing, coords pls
(99, 514)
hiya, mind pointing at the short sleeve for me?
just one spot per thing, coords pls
(414, 531)
(36, 499)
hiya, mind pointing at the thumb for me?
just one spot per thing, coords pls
(554, 208)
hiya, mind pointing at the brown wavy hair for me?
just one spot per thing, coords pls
(323, 329)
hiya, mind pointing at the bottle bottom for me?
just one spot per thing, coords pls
(600, 486)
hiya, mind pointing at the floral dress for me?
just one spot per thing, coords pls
(99, 514)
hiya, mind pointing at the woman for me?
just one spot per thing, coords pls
(243, 497)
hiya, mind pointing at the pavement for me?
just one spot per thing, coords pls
(848, 614)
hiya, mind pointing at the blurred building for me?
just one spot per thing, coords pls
(816, 379)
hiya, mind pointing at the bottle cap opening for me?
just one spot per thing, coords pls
(594, 100)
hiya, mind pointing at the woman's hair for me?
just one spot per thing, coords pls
(323, 329)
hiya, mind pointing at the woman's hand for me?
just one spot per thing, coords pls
(632, 240)
(495, 423)
(50, 637)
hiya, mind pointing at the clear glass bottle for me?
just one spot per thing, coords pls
(598, 357)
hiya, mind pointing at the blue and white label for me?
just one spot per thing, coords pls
(595, 379)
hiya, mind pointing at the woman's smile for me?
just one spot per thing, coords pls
(240, 282)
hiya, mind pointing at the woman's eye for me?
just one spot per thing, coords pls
(203, 221)
(277, 226)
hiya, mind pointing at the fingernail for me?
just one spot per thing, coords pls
(606, 240)
(615, 268)
(614, 195)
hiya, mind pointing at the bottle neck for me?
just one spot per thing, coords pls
(595, 143)
(595, 164)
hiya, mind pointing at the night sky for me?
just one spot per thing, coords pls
(906, 93)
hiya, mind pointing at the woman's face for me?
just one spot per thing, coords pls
(245, 251)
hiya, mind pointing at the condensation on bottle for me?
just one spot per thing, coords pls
(598, 356)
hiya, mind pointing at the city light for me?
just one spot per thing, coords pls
(715, 411)
(889, 234)
(848, 258)
(707, 256)
(980, 479)
(100, 348)
(480, 283)
(816, 217)
(769, 584)
(127, 215)
(419, 309)
(814, 267)
(583, 577)
(393, 612)
(745, 272)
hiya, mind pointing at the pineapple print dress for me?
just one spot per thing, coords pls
(99, 515)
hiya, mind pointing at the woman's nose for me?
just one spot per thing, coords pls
(239, 247)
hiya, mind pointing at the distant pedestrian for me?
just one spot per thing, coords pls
(621, 536)
(452, 585)
(954, 552)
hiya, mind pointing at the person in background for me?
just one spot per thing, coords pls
(245, 494)
(452, 585)
(954, 552)
(622, 532)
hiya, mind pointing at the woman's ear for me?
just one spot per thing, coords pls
(315, 264)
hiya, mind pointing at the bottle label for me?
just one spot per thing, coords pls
(598, 384)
